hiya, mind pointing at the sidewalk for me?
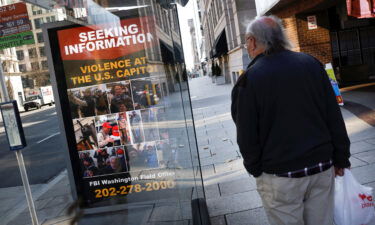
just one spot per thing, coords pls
(231, 193)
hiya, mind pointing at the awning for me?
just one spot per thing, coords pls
(171, 54)
(220, 46)
(166, 52)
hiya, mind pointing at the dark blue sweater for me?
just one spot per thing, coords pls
(286, 115)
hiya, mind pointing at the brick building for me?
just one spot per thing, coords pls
(329, 31)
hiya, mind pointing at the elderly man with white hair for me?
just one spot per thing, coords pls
(290, 130)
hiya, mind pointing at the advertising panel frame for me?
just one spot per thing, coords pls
(60, 89)
(74, 180)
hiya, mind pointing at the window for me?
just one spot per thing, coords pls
(20, 55)
(48, 19)
(32, 53)
(22, 67)
(35, 66)
(40, 37)
(38, 23)
(41, 51)
(44, 65)
(53, 19)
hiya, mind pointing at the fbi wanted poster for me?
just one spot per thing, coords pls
(115, 109)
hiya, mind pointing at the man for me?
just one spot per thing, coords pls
(114, 165)
(88, 109)
(290, 130)
(104, 139)
(120, 96)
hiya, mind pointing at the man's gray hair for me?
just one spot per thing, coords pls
(269, 32)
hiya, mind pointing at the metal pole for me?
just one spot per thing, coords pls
(26, 185)
(21, 163)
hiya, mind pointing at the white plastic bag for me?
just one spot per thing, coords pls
(354, 203)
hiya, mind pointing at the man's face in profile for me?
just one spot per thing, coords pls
(106, 130)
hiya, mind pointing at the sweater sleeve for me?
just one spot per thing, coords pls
(336, 126)
(244, 114)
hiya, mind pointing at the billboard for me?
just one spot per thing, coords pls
(15, 26)
(112, 111)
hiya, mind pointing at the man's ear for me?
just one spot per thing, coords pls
(253, 44)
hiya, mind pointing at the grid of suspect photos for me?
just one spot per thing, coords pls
(119, 127)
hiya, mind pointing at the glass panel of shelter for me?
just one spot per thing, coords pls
(153, 158)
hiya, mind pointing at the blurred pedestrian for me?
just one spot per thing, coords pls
(290, 130)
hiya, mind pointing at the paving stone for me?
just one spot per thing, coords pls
(208, 170)
(22, 219)
(207, 161)
(237, 186)
(202, 141)
(249, 217)
(205, 154)
(355, 162)
(236, 164)
(7, 204)
(59, 200)
(372, 184)
(224, 158)
(212, 191)
(184, 222)
(361, 146)
(371, 141)
(364, 174)
(368, 156)
(52, 212)
(171, 212)
(41, 203)
(234, 203)
(218, 220)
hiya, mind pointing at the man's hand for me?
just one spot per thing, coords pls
(110, 140)
(339, 171)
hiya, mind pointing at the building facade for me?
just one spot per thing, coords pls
(339, 32)
(224, 26)
(32, 60)
(194, 46)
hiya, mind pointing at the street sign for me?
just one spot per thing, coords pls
(13, 126)
(311, 23)
(15, 26)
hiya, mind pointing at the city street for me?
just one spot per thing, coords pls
(43, 155)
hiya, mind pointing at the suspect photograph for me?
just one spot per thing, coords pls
(88, 164)
(124, 128)
(150, 124)
(143, 156)
(108, 134)
(103, 161)
(136, 127)
(88, 101)
(86, 137)
(142, 89)
(120, 97)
